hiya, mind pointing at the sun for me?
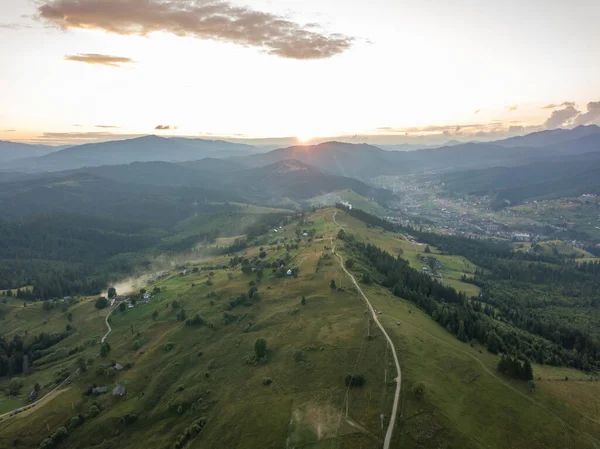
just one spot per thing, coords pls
(303, 138)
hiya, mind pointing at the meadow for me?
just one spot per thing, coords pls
(176, 374)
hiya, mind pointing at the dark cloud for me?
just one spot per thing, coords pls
(516, 129)
(106, 126)
(592, 114)
(164, 127)
(209, 19)
(561, 117)
(97, 59)
(512, 108)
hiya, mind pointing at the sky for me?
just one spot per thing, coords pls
(379, 71)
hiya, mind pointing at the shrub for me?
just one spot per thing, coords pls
(260, 348)
(104, 349)
(128, 419)
(332, 284)
(101, 303)
(267, 381)
(14, 386)
(75, 422)
(197, 320)
(355, 380)
(418, 391)
(93, 411)
(298, 356)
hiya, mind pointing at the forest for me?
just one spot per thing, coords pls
(534, 335)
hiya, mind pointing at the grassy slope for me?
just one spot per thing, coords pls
(464, 392)
(466, 404)
(453, 266)
(304, 402)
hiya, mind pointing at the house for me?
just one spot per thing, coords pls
(118, 366)
(121, 298)
(289, 272)
(99, 390)
(130, 306)
(119, 390)
(305, 234)
(147, 296)
(186, 272)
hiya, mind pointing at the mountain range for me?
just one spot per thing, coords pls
(360, 161)
(140, 149)
(537, 164)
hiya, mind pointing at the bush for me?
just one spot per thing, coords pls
(260, 348)
(267, 381)
(418, 391)
(76, 421)
(104, 349)
(14, 386)
(349, 263)
(93, 411)
(332, 284)
(128, 419)
(355, 380)
(298, 356)
(196, 321)
(101, 303)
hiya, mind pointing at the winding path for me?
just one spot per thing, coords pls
(47, 395)
(398, 379)
(108, 324)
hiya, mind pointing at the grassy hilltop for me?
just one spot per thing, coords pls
(201, 382)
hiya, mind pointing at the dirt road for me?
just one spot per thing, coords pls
(398, 379)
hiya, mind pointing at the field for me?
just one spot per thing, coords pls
(176, 373)
(453, 267)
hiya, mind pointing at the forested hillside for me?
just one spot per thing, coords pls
(516, 289)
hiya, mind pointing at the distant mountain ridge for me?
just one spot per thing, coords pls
(11, 151)
(361, 161)
(140, 149)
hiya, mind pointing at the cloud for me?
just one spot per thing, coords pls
(98, 59)
(14, 26)
(592, 114)
(476, 111)
(78, 138)
(8, 130)
(562, 105)
(210, 20)
(561, 117)
(516, 129)
(164, 127)
(512, 108)
(106, 126)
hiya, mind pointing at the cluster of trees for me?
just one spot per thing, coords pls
(55, 439)
(16, 354)
(513, 367)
